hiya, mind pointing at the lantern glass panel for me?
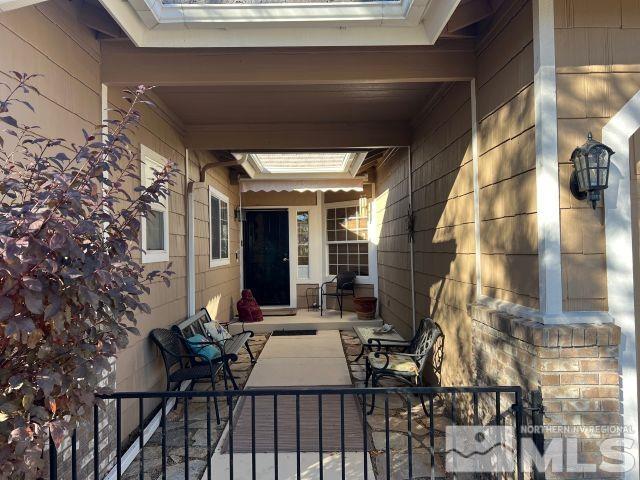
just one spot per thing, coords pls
(603, 163)
(592, 158)
(581, 163)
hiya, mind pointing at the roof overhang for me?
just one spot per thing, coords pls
(7, 5)
(152, 23)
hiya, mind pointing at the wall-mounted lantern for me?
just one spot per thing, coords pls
(240, 214)
(591, 170)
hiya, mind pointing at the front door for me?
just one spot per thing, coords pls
(266, 256)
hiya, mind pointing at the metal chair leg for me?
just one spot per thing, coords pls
(367, 370)
(233, 380)
(253, 360)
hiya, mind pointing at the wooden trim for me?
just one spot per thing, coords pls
(621, 258)
(547, 185)
(125, 65)
(291, 136)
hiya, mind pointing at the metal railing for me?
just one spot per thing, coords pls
(459, 405)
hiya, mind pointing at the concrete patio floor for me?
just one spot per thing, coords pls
(296, 361)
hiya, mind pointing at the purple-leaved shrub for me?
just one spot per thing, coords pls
(70, 278)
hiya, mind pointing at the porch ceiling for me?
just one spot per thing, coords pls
(365, 102)
(297, 98)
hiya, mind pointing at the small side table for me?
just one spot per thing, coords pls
(384, 340)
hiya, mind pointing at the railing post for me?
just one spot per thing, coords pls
(53, 458)
(537, 420)
(518, 409)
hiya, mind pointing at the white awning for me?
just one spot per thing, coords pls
(333, 185)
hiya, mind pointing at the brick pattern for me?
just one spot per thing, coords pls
(574, 366)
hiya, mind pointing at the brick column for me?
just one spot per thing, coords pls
(575, 367)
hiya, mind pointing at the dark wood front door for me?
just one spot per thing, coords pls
(266, 256)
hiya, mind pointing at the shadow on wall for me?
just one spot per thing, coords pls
(436, 250)
(222, 307)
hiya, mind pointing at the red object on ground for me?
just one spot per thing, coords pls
(248, 309)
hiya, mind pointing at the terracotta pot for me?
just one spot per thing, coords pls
(365, 307)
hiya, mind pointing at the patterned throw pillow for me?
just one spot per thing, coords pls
(217, 331)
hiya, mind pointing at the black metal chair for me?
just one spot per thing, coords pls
(407, 367)
(345, 285)
(181, 364)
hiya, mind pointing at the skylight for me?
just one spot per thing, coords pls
(320, 162)
(260, 2)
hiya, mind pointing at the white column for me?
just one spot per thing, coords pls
(476, 187)
(191, 251)
(620, 260)
(548, 191)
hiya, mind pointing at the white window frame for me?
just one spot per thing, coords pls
(351, 203)
(218, 262)
(150, 162)
(306, 277)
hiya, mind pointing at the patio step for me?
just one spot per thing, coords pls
(306, 321)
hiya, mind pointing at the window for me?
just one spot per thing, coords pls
(348, 240)
(219, 228)
(303, 244)
(155, 226)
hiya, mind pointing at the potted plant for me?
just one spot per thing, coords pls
(365, 307)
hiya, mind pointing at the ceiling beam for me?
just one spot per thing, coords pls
(296, 136)
(468, 14)
(99, 20)
(125, 65)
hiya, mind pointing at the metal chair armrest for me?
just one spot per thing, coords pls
(322, 285)
(377, 342)
(414, 355)
(402, 343)
(386, 363)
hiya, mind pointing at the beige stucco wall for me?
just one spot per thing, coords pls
(443, 196)
(445, 241)
(217, 288)
(48, 40)
(506, 141)
(139, 367)
(598, 71)
(391, 206)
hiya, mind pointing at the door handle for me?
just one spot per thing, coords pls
(285, 259)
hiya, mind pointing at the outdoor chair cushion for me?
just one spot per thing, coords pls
(209, 351)
(398, 363)
(217, 331)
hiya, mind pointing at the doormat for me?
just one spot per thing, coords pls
(306, 425)
(290, 333)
